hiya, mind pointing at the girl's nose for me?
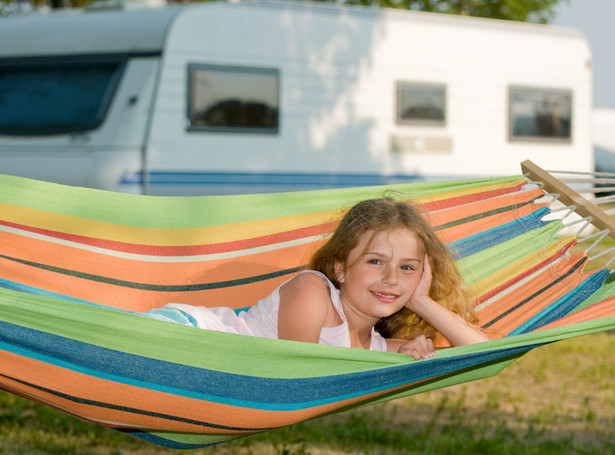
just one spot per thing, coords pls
(390, 276)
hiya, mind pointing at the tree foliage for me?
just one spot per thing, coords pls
(541, 11)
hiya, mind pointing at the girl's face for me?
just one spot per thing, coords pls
(381, 273)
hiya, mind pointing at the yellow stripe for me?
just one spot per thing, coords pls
(499, 277)
(72, 225)
(103, 230)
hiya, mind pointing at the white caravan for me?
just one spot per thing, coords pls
(604, 139)
(215, 98)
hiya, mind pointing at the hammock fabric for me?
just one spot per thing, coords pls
(76, 263)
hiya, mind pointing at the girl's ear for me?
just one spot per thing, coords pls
(340, 270)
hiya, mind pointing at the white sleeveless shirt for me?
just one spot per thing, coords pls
(261, 320)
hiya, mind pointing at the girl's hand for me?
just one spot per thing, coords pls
(424, 285)
(454, 328)
(420, 347)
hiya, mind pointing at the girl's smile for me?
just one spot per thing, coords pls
(387, 298)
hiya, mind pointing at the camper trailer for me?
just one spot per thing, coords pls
(260, 96)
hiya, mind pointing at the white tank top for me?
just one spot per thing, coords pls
(261, 320)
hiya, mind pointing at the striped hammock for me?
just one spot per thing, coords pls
(76, 263)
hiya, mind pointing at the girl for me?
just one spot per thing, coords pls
(383, 273)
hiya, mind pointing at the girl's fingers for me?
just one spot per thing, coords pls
(420, 347)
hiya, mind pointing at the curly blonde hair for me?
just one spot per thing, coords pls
(377, 215)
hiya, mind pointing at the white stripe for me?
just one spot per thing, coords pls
(175, 259)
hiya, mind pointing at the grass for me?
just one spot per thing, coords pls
(558, 399)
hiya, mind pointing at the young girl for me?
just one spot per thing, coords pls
(383, 273)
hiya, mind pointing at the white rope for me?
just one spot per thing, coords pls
(598, 174)
(594, 183)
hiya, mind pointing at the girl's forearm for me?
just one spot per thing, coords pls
(452, 326)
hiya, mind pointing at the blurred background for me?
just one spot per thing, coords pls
(592, 18)
(196, 98)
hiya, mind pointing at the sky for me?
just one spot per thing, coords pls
(594, 18)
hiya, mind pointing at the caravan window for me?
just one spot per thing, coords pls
(540, 114)
(421, 103)
(233, 99)
(56, 96)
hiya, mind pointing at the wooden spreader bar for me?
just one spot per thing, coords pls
(569, 196)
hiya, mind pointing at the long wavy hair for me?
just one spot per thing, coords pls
(377, 215)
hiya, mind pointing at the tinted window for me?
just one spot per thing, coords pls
(421, 103)
(542, 114)
(233, 99)
(55, 97)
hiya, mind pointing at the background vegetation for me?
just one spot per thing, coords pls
(540, 11)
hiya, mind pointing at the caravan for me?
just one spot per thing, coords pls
(260, 96)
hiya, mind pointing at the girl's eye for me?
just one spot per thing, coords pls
(374, 261)
(407, 267)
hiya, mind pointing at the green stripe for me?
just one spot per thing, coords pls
(487, 262)
(227, 352)
(186, 212)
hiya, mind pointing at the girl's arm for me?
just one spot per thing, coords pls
(305, 306)
(452, 326)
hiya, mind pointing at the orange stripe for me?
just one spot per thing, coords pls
(145, 271)
(96, 389)
(517, 316)
(469, 228)
(131, 299)
(603, 309)
(465, 211)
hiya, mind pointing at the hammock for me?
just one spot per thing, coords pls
(76, 263)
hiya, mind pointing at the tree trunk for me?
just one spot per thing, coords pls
(60, 4)
(463, 8)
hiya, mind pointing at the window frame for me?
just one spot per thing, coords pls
(512, 137)
(190, 127)
(399, 86)
(120, 60)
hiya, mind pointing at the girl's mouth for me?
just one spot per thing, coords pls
(384, 296)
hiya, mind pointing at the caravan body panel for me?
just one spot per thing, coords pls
(339, 96)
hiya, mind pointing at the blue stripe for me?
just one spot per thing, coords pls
(170, 443)
(565, 304)
(161, 178)
(233, 389)
(499, 234)
(485, 358)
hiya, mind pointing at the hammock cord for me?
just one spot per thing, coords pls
(597, 183)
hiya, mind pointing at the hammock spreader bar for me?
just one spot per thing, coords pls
(76, 263)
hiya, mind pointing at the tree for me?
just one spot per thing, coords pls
(541, 11)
